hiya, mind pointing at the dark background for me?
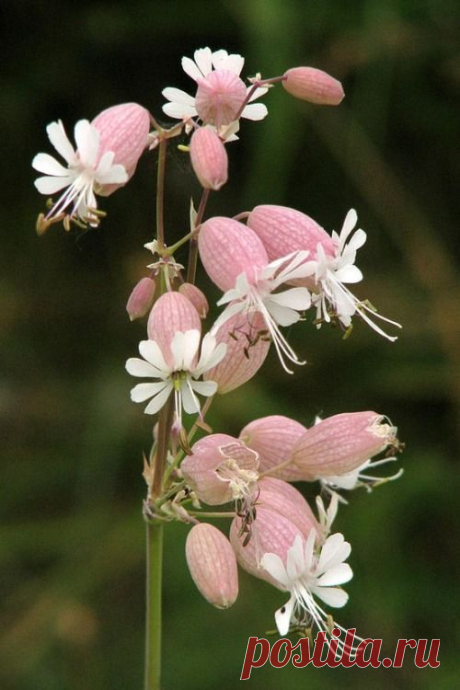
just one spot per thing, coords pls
(71, 535)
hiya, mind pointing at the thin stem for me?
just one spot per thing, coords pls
(204, 514)
(193, 250)
(160, 193)
(164, 431)
(153, 606)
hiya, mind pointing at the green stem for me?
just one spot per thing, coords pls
(160, 193)
(193, 250)
(153, 606)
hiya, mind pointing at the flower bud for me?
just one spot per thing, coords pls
(247, 348)
(270, 533)
(172, 312)
(209, 158)
(340, 444)
(273, 438)
(212, 565)
(284, 499)
(313, 85)
(227, 249)
(196, 297)
(141, 298)
(124, 130)
(221, 469)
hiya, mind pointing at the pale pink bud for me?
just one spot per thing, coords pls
(172, 312)
(284, 499)
(247, 347)
(221, 469)
(122, 129)
(273, 438)
(313, 85)
(212, 565)
(340, 444)
(270, 533)
(141, 298)
(227, 249)
(209, 158)
(284, 230)
(196, 297)
(219, 97)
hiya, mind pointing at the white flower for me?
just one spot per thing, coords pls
(277, 308)
(308, 574)
(181, 376)
(221, 92)
(332, 273)
(86, 173)
(327, 516)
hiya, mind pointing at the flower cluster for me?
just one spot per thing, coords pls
(273, 265)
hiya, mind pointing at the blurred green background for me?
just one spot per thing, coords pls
(71, 535)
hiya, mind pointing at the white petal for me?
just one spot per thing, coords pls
(283, 617)
(337, 575)
(190, 402)
(143, 391)
(255, 111)
(211, 354)
(335, 550)
(332, 596)
(296, 298)
(358, 239)
(184, 347)
(159, 400)
(58, 138)
(87, 140)
(51, 185)
(283, 316)
(206, 388)
(203, 60)
(45, 163)
(232, 63)
(274, 566)
(115, 175)
(137, 367)
(309, 549)
(178, 96)
(191, 69)
(261, 91)
(348, 224)
(150, 350)
(349, 274)
(178, 110)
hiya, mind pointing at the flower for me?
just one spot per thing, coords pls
(105, 158)
(180, 376)
(221, 94)
(236, 261)
(333, 272)
(313, 85)
(309, 573)
(283, 230)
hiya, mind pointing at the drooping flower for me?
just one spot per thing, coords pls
(220, 94)
(309, 573)
(106, 154)
(332, 273)
(180, 375)
(236, 261)
(332, 261)
(337, 450)
(209, 158)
